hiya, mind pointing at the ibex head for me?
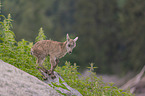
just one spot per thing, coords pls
(71, 43)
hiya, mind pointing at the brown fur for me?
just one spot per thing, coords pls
(54, 49)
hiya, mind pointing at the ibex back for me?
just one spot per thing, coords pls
(54, 49)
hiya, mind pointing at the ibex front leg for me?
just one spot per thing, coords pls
(54, 63)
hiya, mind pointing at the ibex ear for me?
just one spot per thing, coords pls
(67, 37)
(76, 39)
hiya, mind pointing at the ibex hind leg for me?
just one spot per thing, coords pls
(54, 63)
(40, 66)
(43, 74)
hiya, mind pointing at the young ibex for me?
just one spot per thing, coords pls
(55, 50)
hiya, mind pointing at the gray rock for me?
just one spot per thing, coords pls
(15, 82)
(68, 92)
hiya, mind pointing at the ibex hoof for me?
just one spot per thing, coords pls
(45, 78)
(53, 76)
(49, 72)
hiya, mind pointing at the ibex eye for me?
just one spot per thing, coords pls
(68, 45)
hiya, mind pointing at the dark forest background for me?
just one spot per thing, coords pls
(111, 32)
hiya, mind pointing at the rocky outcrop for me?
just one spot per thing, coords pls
(69, 91)
(133, 82)
(15, 82)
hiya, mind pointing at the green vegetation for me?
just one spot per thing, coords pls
(18, 54)
(111, 32)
